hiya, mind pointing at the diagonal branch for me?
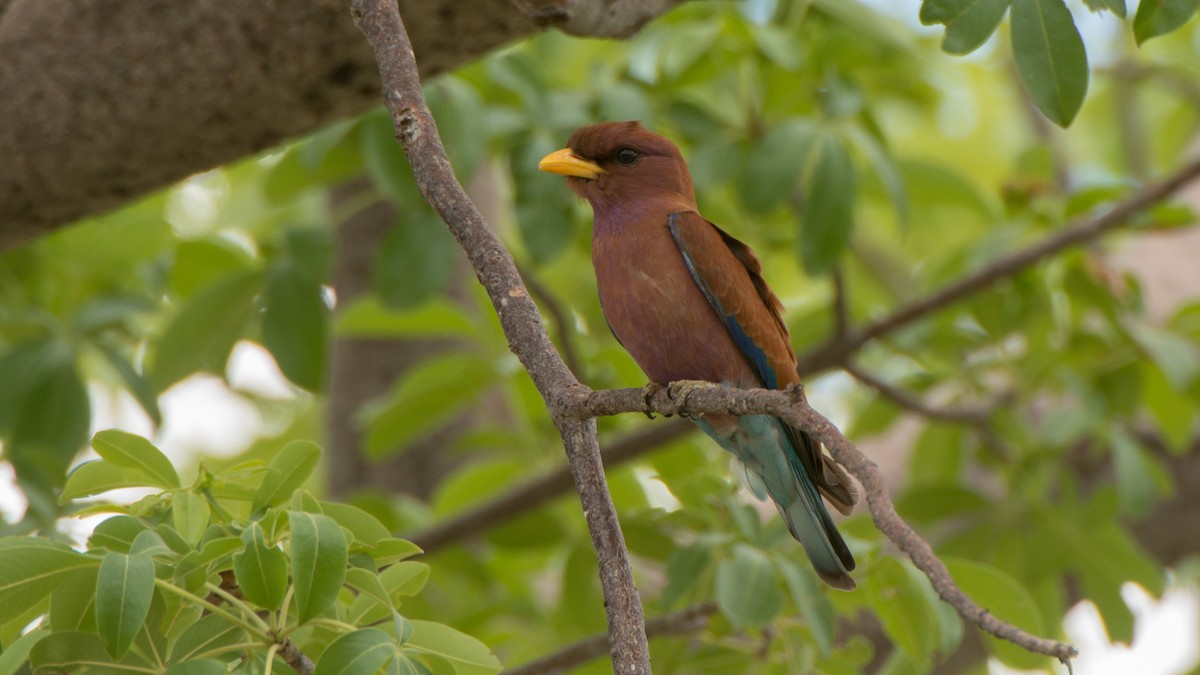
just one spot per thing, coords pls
(687, 620)
(380, 22)
(836, 350)
(791, 406)
(973, 416)
(534, 493)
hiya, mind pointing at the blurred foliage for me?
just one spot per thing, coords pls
(829, 135)
(214, 577)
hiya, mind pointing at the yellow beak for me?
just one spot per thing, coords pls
(566, 163)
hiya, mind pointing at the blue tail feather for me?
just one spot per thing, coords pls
(773, 466)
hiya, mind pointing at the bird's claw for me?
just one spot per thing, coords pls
(679, 392)
(648, 393)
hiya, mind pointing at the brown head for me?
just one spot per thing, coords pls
(619, 166)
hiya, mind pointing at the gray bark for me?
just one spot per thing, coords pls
(104, 100)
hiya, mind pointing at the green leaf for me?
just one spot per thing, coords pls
(544, 204)
(296, 324)
(388, 551)
(205, 329)
(117, 533)
(1176, 356)
(190, 513)
(73, 603)
(150, 542)
(901, 607)
(261, 570)
(138, 384)
(370, 588)
(124, 589)
(288, 470)
(98, 475)
(1174, 414)
(1117, 7)
(438, 317)
(363, 652)
(885, 169)
(199, 667)
(319, 556)
(124, 449)
(829, 190)
(747, 588)
(201, 262)
(806, 592)
(684, 568)
(405, 578)
(426, 398)
(468, 655)
(774, 164)
(969, 23)
(1135, 482)
(1159, 17)
(366, 528)
(302, 168)
(44, 410)
(417, 260)
(14, 655)
(30, 568)
(209, 633)
(1005, 599)
(75, 651)
(1050, 57)
(455, 106)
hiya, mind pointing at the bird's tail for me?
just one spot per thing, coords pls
(775, 469)
(810, 524)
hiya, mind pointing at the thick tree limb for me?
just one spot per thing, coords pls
(105, 100)
(835, 351)
(791, 406)
(380, 22)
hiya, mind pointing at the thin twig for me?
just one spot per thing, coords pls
(560, 316)
(907, 401)
(791, 406)
(296, 658)
(841, 305)
(835, 351)
(534, 493)
(380, 22)
(978, 418)
(686, 620)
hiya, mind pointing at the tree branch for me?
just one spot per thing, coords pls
(296, 658)
(104, 101)
(835, 351)
(967, 415)
(380, 22)
(561, 317)
(791, 406)
(534, 493)
(686, 620)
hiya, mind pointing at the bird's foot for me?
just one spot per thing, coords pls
(648, 393)
(679, 392)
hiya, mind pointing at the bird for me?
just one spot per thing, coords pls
(688, 302)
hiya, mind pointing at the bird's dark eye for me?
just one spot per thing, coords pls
(628, 156)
